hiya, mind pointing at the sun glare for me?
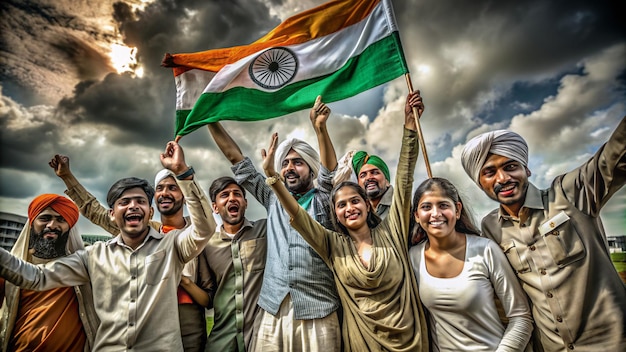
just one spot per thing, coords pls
(123, 59)
(423, 69)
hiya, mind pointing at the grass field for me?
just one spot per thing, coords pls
(619, 261)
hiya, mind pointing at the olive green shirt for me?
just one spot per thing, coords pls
(238, 264)
(381, 307)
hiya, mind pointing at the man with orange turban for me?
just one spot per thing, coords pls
(61, 319)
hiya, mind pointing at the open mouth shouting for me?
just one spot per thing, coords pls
(233, 209)
(133, 219)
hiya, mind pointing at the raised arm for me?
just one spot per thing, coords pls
(289, 203)
(191, 241)
(412, 100)
(319, 115)
(86, 202)
(88, 205)
(399, 213)
(225, 142)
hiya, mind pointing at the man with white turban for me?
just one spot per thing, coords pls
(298, 295)
(60, 319)
(196, 281)
(554, 238)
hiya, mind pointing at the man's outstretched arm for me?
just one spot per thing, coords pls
(225, 142)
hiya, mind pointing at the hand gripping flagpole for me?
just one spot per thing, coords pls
(419, 128)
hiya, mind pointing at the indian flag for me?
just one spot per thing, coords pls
(336, 50)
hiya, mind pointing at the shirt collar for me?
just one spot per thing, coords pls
(117, 240)
(387, 197)
(225, 237)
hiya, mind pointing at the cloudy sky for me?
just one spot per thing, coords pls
(83, 78)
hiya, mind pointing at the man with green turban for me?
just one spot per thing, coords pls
(372, 174)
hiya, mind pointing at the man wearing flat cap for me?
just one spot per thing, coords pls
(136, 273)
(60, 319)
(554, 238)
(196, 281)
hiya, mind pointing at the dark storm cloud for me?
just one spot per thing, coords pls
(132, 107)
(45, 48)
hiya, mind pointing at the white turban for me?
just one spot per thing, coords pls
(500, 142)
(305, 151)
(161, 175)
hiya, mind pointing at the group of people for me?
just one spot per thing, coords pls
(338, 264)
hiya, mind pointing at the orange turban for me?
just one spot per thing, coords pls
(60, 204)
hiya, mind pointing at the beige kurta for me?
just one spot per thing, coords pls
(381, 308)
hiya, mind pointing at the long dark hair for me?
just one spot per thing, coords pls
(372, 219)
(463, 225)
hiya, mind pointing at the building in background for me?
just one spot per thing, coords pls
(10, 227)
(91, 239)
(617, 244)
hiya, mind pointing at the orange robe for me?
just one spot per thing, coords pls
(48, 321)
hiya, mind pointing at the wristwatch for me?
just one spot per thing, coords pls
(186, 174)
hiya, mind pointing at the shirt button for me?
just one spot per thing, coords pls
(238, 292)
(559, 319)
(549, 294)
(291, 285)
(570, 346)
(290, 267)
(532, 248)
(542, 271)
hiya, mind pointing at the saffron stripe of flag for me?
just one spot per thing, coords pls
(336, 50)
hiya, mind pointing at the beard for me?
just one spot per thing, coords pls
(302, 184)
(375, 193)
(176, 205)
(48, 248)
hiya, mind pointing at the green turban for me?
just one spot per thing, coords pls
(361, 158)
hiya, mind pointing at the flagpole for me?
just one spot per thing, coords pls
(419, 128)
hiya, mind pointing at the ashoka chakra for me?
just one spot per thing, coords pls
(274, 68)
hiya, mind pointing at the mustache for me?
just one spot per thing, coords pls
(291, 173)
(46, 230)
(498, 187)
(161, 198)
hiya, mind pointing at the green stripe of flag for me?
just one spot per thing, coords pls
(377, 64)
